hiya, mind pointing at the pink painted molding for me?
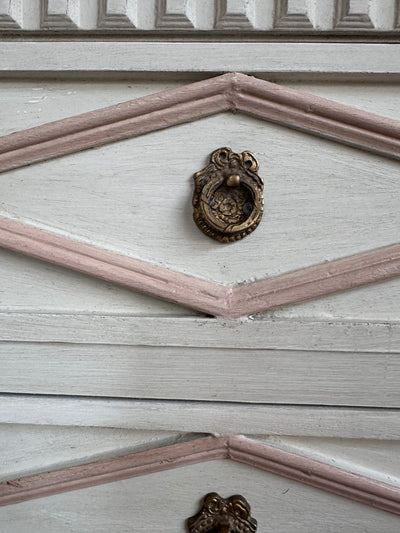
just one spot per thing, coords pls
(249, 298)
(255, 454)
(233, 91)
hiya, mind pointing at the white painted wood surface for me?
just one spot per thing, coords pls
(134, 197)
(206, 417)
(237, 375)
(228, 15)
(27, 285)
(34, 285)
(298, 58)
(370, 458)
(162, 502)
(376, 302)
(202, 359)
(30, 449)
(27, 449)
(247, 333)
(31, 102)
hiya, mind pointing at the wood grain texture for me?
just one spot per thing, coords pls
(202, 417)
(312, 282)
(135, 117)
(303, 59)
(110, 470)
(273, 334)
(256, 376)
(28, 449)
(233, 92)
(109, 266)
(28, 103)
(338, 202)
(254, 454)
(29, 286)
(275, 291)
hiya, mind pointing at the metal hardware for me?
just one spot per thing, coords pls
(219, 515)
(228, 201)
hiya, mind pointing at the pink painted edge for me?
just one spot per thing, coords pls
(315, 473)
(310, 104)
(255, 454)
(305, 284)
(138, 107)
(110, 470)
(316, 281)
(232, 91)
(126, 271)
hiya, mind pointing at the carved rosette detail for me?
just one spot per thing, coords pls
(219, 515)
(228, 197)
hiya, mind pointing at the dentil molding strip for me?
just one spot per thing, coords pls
(235, 92)
(255, 454)
(212, 298)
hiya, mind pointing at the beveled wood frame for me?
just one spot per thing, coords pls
(240, 449)
(229, 92)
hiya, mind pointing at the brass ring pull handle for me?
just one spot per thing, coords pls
(219, 515)
(228, 201)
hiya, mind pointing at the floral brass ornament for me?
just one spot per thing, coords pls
(228, 197)
(219, 515)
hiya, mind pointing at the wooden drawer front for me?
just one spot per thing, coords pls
(102, 478)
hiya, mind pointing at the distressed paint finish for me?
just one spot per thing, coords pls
(128, 16)
(235, 92)
(279, 503)
(29, 449)
(308, 334)
(308, 283)
(205, 417)
(255, 454)
(309, 60)
(276, 376)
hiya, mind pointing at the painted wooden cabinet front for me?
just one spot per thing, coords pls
(145, 364)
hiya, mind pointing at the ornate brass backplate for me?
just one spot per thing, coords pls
(219, 515)
(228, 201)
